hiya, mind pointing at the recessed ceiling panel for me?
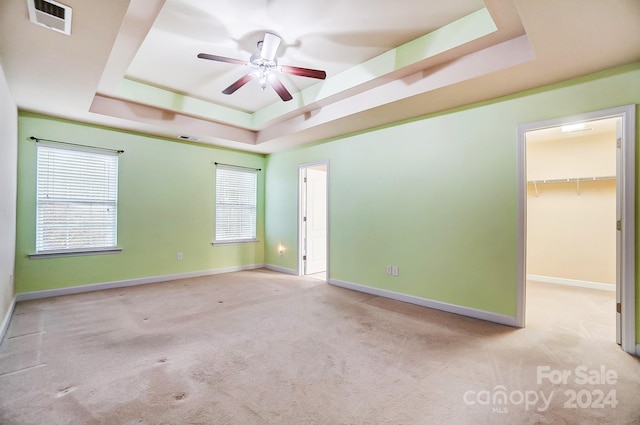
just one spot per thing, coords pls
(331, 35)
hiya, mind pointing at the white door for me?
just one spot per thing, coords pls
(315, 221)
(618, 231)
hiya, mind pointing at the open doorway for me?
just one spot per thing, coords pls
(576, 201)
(312, 219)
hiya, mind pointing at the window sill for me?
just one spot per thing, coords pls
(236, 242)
(73, 253)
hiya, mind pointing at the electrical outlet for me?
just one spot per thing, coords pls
(388, 269)
(179, 256)
(394, 270)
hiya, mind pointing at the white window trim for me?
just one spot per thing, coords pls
(253, 239)
(234, 242)
(76, 251)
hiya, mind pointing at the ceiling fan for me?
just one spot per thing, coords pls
(264, 62)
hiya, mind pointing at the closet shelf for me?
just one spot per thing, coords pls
(575, 180)
(572, 180)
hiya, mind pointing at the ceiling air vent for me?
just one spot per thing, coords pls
(50, 14)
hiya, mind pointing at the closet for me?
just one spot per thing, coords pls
(571, 205)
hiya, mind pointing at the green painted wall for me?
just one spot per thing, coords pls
(436, 196)
(166, 206)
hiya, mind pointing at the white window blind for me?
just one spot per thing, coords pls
(77, 194)
(236, 193)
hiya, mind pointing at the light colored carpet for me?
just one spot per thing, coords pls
(320, 276)
(261, 347)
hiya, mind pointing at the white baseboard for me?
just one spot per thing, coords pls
(572, 282)
(24, 296)
(281, 269)
(7, 318)
(424, 302)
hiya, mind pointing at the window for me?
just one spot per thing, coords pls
(77, 194)
(235, 204)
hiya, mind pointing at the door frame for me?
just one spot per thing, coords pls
(301, 199)
(625, 197)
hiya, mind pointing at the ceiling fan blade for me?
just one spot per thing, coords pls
(270, 46)
(221, 59)
(280, 89)
(304, 72)
(235, 86)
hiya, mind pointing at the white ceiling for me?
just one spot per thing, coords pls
(132, 64)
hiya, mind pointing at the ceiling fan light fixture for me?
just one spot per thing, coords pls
(263, 62)
(264, 78)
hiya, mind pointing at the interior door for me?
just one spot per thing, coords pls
(619, 230)
(316, 220)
